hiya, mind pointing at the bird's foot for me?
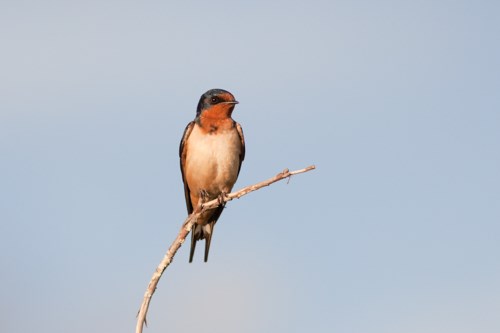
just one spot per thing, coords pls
(222, 198)
(204, 196)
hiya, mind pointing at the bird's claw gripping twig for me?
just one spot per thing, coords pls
(222, 198)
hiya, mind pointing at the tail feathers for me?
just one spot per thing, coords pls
(205, 232)
(194, 238)
(208, 239)
(198, 233)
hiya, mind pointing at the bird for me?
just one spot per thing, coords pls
(211, 152)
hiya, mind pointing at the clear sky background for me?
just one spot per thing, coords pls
(397, 103)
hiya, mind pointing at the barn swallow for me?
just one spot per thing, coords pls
(211, 152)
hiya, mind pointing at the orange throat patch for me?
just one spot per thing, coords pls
(216, 118)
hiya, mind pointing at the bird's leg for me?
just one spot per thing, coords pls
(204, 196)
(221, 198)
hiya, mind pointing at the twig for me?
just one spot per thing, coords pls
(186, 228)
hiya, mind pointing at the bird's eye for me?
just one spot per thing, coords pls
(214, 100)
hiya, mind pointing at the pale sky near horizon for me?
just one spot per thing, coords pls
(396, 103)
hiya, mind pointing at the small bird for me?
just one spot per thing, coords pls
(211, 152)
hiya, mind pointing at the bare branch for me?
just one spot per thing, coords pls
(186, 228)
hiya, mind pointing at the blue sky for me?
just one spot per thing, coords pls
(396, 103)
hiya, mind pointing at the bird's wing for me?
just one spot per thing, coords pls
(242, 139)
(182, 155)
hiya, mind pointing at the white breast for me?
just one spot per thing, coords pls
(212, 160)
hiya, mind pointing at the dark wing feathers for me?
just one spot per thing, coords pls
(242, 138)
(182, 155)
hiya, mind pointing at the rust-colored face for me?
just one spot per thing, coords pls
(214, 111)
(218, 111)
(217, 104)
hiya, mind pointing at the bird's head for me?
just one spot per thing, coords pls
(216, 103)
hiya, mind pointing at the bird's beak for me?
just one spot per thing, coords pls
(232, 102)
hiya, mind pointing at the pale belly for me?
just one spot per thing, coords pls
(212, 163)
